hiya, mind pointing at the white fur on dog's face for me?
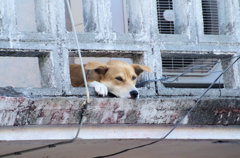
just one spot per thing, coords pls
(120, 77)
(120, 80)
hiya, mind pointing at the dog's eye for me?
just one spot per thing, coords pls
(119, 78)
(134, 78)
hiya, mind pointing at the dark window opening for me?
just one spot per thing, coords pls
(165, 16)
(191, 72)
(77, 13)
(194, 66)
(210, 17)
(20, 72)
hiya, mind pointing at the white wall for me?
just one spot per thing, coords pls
(19, 72)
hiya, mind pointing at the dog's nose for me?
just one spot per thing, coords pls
(134, 94)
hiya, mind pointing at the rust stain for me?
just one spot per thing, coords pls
(138, 113)
(56, 116)
(116, 106)
(69, 109)
(102, 104)
(41, 114)
(3, 98)
(21, 100)
(120, 114)
(174, 117)
(109, 120)
(227, 110)
(236, 110)
(11, 99)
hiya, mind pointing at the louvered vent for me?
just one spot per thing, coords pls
(195, 66)
(210, 17)
(165, 16)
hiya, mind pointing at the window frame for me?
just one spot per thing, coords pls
(183, 37)
(221, 38)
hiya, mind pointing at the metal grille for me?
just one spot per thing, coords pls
(195, 66)
(165, 25)
(210, 17)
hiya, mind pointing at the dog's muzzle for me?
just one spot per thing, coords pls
(133, 94)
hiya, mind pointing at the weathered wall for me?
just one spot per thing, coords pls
(51, 37)
(19, 111)
(53, 44)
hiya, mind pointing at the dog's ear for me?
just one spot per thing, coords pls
(140, 68)
(98, 67)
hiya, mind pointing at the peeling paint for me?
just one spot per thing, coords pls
(217, 112)
(18, 111)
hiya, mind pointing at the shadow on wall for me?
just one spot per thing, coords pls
(75, 60)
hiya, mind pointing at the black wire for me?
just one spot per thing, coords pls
(219, 87)
(126, 150)
(165, 79)
(53, 145)
(178, 122)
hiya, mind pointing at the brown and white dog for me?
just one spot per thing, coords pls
(116, 77)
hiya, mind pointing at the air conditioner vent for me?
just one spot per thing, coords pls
(210, 17)
(165, 16)
(195, 66)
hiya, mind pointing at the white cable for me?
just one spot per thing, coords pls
(78, 50)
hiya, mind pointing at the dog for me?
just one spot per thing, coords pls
(114, 77)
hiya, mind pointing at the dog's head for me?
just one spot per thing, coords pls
(119, 77)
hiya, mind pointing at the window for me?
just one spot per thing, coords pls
(20, 72)
(210, 17)
(77, 12)
(25, 15)
(118, 16)
(178, 65)
(192, 72)
(165, 16)
(25, 68)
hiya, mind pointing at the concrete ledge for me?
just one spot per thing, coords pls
(21, 111)
(110, 132)
(144, 92)
(174, 92)
(199, 54)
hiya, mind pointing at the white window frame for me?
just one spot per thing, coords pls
(184, 37)
(232, 7)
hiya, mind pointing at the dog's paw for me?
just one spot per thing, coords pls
(100, 88)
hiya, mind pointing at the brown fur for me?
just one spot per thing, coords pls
(118, 76)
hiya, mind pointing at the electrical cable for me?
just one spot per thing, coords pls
(78, 49)
(178, 122)
(83, 106)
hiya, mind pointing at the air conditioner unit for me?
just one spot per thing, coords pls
(198, 72)
(165, 14)
(210, 17)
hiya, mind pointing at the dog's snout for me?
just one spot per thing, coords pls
(134, 94)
